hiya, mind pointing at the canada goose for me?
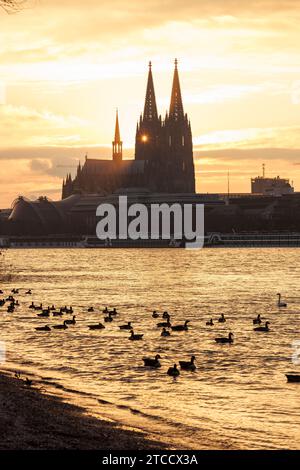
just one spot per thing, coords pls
(279, 303)
(44, 314)
(181, 327)
(134, 337)
(257, 320)
(210, 322)
(28, 292)
(164, 324)
(126, 327)
(31, 305)
(108, 318)
(223, 340)
(58, 314)
(222, 319)
(99, 326)
(188, 365)
(165, 333)
(61, 327)
(292, 377)
(71, 322)
(155, 314)
(38, 307)
(113, 312)
(43, 328)
(90, 309)
(263, 328)
(52, 308)
(152, 362)
(105, 310)
(166, 315)
(69, 310)
(173, 371)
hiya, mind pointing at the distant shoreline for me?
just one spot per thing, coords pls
(31, 420)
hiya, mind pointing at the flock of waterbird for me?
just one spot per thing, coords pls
(109, 315)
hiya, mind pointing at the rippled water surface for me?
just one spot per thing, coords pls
(238, 396)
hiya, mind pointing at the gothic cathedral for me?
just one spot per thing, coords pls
(163, 153)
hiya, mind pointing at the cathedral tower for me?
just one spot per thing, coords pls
(178, 144)
(149, 126)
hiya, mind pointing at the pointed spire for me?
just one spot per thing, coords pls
(117, 143)
(150, 109)
(117, 128)
(176, 106)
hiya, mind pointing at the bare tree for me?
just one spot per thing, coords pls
(12, 5)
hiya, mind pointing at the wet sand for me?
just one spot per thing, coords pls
(31, 420)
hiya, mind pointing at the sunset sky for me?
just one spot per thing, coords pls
(66, 65)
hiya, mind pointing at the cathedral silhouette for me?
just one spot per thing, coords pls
(163, 153)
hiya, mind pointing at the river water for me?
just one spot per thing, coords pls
(237, 398)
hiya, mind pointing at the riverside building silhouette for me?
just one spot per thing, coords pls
(163, 153)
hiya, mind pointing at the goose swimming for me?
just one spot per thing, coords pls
(279, 303)
(166, 315)
(164, 324)
(43, 314)
(90, 309)
(126, 327)
(165, 333)
(223, 340)
(108, 318)
(181, 327)
(43, 328)
(222, 318)
(113, 312)
(292, 377)
(135, 337)
(210, 322)
(263, 328)
(173, 371)
(58, 314)
(71, 322)
(152, 362)
(99, 326)
(188, 365)
(155, 314)
(257, 320)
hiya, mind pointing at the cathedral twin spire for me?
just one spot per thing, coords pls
(176, 107)
(150, 109)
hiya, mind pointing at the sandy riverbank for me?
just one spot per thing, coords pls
(30, 419)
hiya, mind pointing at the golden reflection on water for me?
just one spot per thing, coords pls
(238, 394)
